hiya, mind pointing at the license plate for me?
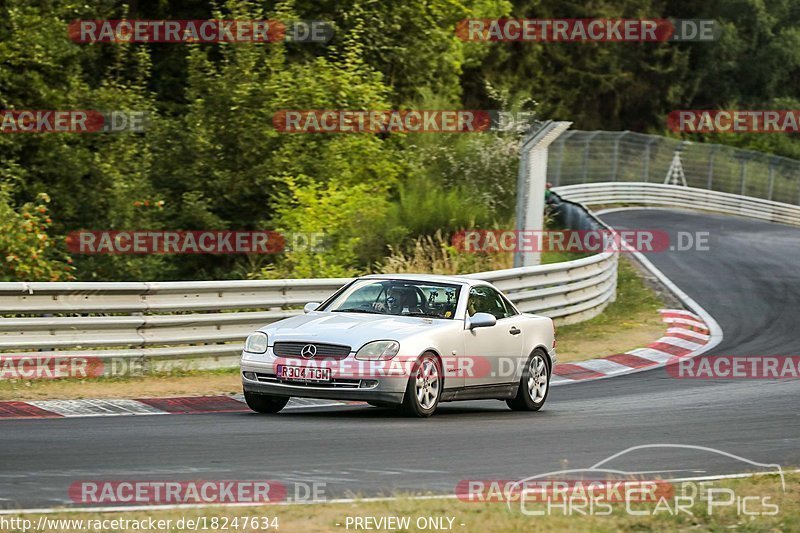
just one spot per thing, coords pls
(303, 373)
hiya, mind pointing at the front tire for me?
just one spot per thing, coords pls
(534, 384)
(263, 403)
(424, 387)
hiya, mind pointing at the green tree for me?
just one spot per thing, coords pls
(28, 251)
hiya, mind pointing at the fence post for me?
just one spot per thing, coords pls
(615, 158)
(646, 171)
(711, 154)
(743, 173)
(531, 183)
(798, 192)
(522, 191)
(586, 154)
(560, 161)
(771, 177)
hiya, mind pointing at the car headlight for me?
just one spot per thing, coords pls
(256, 343)
(378, 351)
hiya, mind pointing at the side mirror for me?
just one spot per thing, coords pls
(310, 306)
(482, 320)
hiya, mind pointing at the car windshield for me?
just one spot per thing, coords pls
(397, 297)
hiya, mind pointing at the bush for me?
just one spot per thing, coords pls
(28, 251)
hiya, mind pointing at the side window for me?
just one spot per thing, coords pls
(487, 300)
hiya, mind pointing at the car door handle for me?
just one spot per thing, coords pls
(514, 330)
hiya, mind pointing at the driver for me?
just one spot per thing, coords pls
(402, 300)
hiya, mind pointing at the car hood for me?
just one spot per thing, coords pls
(350, 329)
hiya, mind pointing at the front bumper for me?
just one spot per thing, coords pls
(351, 380)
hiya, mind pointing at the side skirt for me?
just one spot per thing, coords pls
(503, 391)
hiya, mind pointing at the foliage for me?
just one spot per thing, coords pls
(210, 158)
(28, 251)
(436, 254)
(340, 212)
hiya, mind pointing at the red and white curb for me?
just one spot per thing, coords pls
(687, 335)
(146, 406)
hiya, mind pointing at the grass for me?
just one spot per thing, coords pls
(497, 517)
(173, 383)
(632, 321)
(437, 255)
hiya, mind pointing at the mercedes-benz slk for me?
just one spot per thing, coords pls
(408, 341)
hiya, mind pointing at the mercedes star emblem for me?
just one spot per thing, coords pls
(308, 351)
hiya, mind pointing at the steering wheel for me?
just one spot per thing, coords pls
(398, 298)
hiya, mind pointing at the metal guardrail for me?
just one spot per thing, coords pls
(682, 197)
(203, 324)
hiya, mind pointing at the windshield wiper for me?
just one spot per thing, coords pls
(422, 314)
(366, 311)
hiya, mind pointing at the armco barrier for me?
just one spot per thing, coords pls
(203, 324)
(613, 193)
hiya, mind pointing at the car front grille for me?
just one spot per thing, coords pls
(324, 351)
(333, 384)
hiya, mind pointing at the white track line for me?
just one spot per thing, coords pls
(650, 354)
(83, 408)
(687, 321)
(661, 358)
(603, 366)
(688, 301)
(681, 343)
(687, 333)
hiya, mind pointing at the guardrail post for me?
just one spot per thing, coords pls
(531, 182)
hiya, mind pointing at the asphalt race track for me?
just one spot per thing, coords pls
(749, 282)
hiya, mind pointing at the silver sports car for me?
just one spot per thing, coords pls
(408, 341)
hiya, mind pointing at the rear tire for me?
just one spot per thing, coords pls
(424, 387)
(534, 383)
(263, 403)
